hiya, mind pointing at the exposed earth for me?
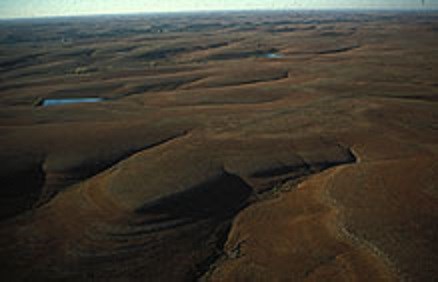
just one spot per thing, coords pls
(220, 147)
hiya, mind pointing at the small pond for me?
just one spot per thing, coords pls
(273, 56)
(64, 101)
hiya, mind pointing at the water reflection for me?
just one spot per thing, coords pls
(56, 102)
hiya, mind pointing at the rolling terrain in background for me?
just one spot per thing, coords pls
(246, 146)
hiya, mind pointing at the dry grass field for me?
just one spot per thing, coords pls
(263, 146)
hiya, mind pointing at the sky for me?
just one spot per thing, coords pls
(44, 8)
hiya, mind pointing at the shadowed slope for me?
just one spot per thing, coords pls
(117, 216)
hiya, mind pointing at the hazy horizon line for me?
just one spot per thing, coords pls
(222, 11)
